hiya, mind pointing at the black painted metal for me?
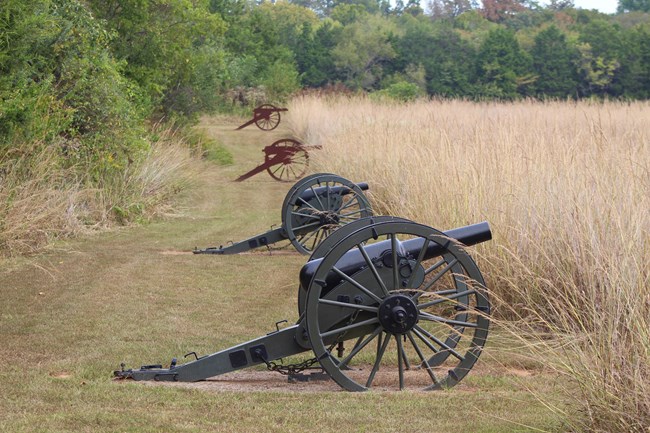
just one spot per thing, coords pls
(353, 261)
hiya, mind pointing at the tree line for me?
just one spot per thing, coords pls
(89, 74)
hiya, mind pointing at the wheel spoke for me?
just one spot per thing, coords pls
(351, 213)
(306, 215)
(400, 361)
(393, 246)
(359, 346)
(308, 204)
(350, 327)
(348, 305)
(419, 330)
(407, 363)
(372, 267)
(356, 284)
(438, 319)
(304, 226)
(350, 202)
(435, 279)
(424, 340)
(315, 241)
(422, 358)
(434, 266)
(347, 220)
(423, 250)
(380, 355)
(306, 238)
(329, 204)
(446, 299)
(317, 198)
(293, 172)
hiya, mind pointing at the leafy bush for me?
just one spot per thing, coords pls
(401, 91)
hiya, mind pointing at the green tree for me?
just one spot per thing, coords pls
(59, 83)
(553, 64)
(500, 10)
(314, 55)
(162, 42)
(503, 68)
(446, 58)
(601, 49)
(633, 6)
(364, 46)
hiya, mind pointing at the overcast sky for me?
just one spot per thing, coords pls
(605, 6)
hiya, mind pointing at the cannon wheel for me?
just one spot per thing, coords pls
(444, 296)
(270, 122)
(293, 166)
(308, 224)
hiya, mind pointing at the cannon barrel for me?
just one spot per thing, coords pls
(321, 191)
(353, 261)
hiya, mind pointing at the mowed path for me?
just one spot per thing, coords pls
(137, 295)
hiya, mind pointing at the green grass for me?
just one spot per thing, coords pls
(135, 295)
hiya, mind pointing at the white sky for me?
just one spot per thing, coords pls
(605, 6)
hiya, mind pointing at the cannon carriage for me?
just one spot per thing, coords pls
(313, 208)
(383, 302)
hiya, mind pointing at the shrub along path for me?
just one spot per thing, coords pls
(137, 295)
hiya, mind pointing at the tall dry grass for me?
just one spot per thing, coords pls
(566, 189)
(41, 201)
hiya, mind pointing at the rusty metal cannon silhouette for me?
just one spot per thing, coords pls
(285, 160)
(266, 117)
(383, 302)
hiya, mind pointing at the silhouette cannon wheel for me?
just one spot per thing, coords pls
(287, 160)
(270, 118)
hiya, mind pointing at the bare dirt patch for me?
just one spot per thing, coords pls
(268, 381)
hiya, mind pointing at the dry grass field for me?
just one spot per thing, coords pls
(566, 189)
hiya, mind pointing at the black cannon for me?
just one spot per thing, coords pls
(313, 208)
(383, 302)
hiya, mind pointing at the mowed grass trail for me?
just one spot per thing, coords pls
(137, 295)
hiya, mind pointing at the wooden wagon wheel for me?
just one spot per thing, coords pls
(400, 309)
(270, 121)
(287, 160)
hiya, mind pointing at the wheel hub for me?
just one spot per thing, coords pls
(329, 218)
(398, 314)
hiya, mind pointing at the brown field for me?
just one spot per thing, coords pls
(566, 189)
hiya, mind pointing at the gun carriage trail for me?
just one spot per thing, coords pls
(138, 294)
